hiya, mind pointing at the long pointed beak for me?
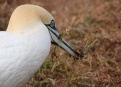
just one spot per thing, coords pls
(59, 41)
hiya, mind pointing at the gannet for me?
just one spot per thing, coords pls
(26, 43)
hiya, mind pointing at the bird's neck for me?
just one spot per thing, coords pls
(23, 25)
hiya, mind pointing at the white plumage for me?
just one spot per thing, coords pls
(25, 45)
(21, 56)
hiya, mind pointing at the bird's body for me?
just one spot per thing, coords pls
(22, 55)
(25, 45)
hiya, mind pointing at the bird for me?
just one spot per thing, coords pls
(26, 43)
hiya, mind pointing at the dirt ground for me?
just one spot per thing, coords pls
(81, 22)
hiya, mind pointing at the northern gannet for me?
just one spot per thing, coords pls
(26, 43)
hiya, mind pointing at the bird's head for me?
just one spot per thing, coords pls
(32, 14)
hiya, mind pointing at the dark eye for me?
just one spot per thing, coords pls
(52, 24)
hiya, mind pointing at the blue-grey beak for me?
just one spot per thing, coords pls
(59, 41)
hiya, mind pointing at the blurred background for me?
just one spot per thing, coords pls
(81, 22)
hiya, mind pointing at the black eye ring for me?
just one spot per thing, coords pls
(52, 24)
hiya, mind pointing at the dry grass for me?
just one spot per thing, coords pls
(81, 22)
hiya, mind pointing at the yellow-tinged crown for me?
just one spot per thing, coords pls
(28, 14)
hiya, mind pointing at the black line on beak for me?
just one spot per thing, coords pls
(54, 43)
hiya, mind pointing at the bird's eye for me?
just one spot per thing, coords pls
(52, 24)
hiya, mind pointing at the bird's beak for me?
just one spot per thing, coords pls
(57, 40)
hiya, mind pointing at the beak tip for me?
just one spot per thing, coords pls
(79, 55)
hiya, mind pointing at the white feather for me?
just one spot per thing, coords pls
(22, 55)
